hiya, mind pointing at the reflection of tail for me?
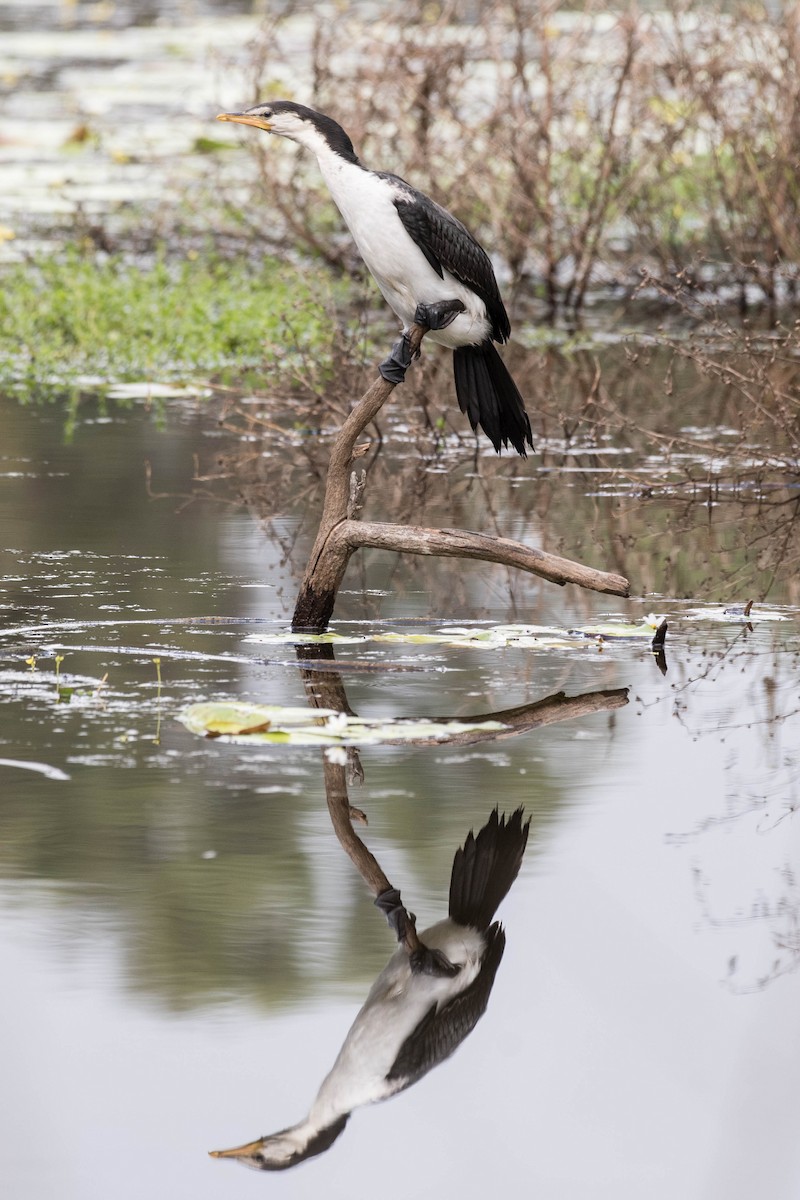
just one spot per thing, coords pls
(490, 398)
(485, 868)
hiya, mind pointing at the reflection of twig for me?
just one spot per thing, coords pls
(714, 822)
(784, 909)
(328, 691)
(186, 498)
(756, 806)
(713, 667)
(339, 808)
(789, 809)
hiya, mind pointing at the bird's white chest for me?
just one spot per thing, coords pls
(366, 203)
(397, 1002)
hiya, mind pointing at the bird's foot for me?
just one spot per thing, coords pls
(432, 962)
(422, 959)
(393, 369)
(438, 315)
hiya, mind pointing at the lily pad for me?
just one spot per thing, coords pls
(288, 638)
(735, 613)
(272, 723)
(614, 630)
(494, 637)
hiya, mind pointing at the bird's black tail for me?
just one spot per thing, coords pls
(490, 398)
(485, 868)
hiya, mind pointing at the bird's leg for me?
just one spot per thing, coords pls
(393, 369)
(392, 907)
(438, 315)
(422, 960)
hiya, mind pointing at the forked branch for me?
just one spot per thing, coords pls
(340, 533)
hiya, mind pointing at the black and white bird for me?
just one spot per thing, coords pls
(428, 266)
(418, 1011)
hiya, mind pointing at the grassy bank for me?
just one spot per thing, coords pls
(78, 315)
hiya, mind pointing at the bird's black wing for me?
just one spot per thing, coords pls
(449, 246)
(442, 1030)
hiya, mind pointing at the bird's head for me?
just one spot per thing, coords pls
(298, 123)
(286, 1149)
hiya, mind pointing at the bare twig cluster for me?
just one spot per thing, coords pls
(682, 460)
(582, 145)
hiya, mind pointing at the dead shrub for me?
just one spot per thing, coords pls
(580, 145)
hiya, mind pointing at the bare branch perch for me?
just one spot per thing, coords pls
(461, 543)
(340, 533)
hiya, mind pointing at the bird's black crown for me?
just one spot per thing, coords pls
(333, 133)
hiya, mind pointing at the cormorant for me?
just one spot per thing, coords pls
(428, 266)
(421, 1007)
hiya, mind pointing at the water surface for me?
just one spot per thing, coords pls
(184, 943)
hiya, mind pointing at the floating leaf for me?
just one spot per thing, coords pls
(271, 723)
(735, 613)
(420, 639)
(615, 630)
(494, 637)
(229, 718)
(288, 638)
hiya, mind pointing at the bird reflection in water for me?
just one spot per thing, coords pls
(427, 999)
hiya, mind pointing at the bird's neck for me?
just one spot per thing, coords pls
(304, 1140)
(352, 190)
(333, 144)
(337, 171)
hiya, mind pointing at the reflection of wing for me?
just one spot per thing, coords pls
(441, 1030)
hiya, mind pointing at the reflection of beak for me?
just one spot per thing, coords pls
(239, 1151)
(245, 119)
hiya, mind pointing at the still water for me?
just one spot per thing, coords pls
(184, 944)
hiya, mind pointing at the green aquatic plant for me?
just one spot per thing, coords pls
(75, 316)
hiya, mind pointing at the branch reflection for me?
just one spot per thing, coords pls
(325, 689)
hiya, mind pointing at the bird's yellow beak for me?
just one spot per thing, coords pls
(245, 119)
(238, 1151)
